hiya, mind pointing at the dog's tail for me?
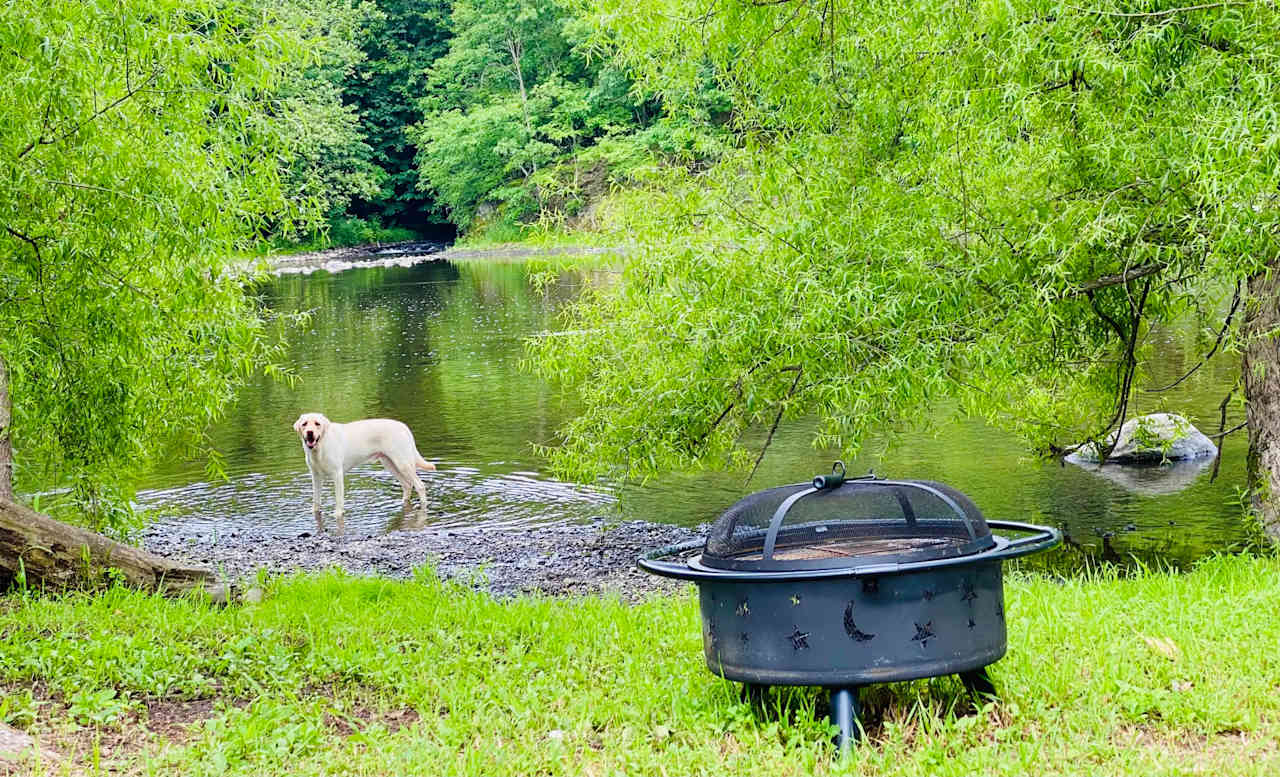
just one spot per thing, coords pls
(424, 464)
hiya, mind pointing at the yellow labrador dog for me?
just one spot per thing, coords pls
(332, 449)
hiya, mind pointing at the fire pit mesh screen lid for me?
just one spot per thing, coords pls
(833, 522)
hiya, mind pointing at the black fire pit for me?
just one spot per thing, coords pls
(840, 583)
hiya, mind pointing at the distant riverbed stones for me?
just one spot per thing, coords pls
(1152, 439)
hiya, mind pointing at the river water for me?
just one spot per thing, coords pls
(438, 344)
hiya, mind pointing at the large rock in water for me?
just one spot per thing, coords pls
(1152, 439)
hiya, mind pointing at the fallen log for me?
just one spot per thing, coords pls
(53, 555)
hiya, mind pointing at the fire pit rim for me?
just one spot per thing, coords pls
(1041, 538)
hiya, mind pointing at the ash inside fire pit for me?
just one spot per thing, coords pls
(855, 548)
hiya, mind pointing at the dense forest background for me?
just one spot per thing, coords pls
(475, 115)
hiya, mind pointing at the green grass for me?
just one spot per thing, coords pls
(1160, 673)
(494, 233)
(532, 236)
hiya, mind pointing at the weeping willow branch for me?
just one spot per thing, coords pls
(1226, 325)
(1165, 12)
(1131, 274)
(737, 387)
(752, 222)
(42, 140)
(777, 419)
(1221, 436)
(1128, 365)
(48, 321)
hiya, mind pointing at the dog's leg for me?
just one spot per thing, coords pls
(405, 488)
(420, 463)
(337, 496)
(315, 500)
(395, 469)
(404, 473)
(418, 485)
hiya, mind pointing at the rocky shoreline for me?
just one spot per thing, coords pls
(558, 560)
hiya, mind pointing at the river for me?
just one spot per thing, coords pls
(438, 344)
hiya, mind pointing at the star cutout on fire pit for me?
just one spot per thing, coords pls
(924, 634)
(969, 593)
(799, 639)
(743, 609)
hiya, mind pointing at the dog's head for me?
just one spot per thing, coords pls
(311, 427)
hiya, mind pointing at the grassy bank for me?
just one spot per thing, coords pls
(1160, 673)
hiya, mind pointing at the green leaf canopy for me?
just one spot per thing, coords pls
(986, 202)
(142, 142)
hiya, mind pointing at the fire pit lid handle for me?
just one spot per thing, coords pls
(771, 539)
(834, 480)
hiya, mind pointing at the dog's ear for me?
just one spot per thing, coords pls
(297, 425)
(324, 426)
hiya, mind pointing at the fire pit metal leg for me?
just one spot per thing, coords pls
(844, 713)
(978, 683)
(755, 694)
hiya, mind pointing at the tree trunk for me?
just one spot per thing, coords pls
(6, 444)
(54, 555)
(515, 47)
(1262, 394)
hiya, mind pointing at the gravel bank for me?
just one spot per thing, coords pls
(559, 560)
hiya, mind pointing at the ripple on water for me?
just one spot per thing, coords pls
(281, 504)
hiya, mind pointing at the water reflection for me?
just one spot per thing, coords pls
(1151, 480)
(438, 345)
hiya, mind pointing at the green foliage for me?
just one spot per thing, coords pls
(498, 48)
(413, 113)
(499, 230)
(399, 42)
(462, 154)
(96, 707)
(986, 202)
(347, 231)
(520, 91)
(18, 709)
(144, 144)
(331, 161)
(333, 164)
(337, 232)
(267, 731)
